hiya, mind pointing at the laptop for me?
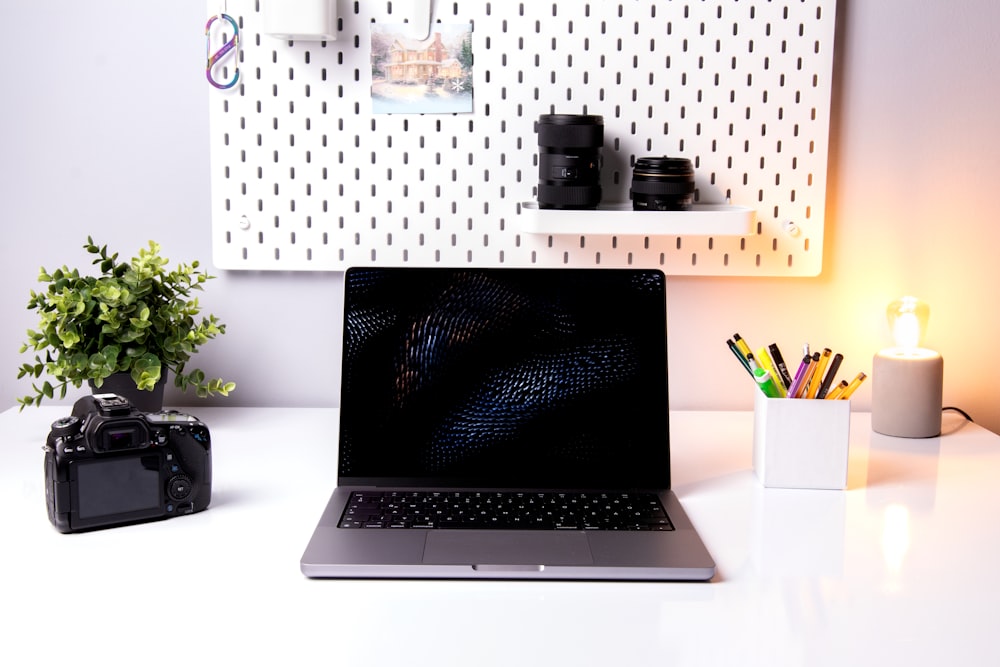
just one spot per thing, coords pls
(504, 423)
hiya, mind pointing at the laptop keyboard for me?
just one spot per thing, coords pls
(505, 510)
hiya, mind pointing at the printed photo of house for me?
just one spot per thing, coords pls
(429, 76)
(418, 62)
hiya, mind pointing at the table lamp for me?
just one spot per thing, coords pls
(907, 380)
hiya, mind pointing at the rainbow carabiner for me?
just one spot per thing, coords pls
(214, 58)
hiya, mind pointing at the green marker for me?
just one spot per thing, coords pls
(766, 383)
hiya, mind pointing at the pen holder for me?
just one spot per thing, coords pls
(801, 443)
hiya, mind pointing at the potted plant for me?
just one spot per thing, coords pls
(136, 318)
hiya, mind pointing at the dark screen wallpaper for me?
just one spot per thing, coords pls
(506, 377)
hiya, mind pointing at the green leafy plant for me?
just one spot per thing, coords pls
(136, 317)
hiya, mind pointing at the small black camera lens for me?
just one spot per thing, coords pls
(569, 161)
(662, 184)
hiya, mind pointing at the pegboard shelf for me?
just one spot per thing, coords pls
(308, 175)
(621, 220)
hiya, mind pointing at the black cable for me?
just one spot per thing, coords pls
(959, 411)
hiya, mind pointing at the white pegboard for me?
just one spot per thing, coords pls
(306, 177)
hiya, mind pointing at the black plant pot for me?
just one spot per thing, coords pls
(123, 385)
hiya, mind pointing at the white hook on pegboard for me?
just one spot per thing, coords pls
(418, 14)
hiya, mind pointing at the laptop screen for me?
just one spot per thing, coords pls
(505, 377)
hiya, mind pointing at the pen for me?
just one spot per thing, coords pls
(779, 363)
(768, 364)
(741, 345)
(743, 360)
(766, 383)
(831, 373)
(817, 377)
(799, 376)
(855, 383)
(837, 391)
(807, 375)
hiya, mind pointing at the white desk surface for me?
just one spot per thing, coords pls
(900, 569)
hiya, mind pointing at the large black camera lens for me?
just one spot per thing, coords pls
(569, 161)
(662, 184)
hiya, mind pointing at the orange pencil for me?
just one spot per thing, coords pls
(837, 391)
(817, 377)
(855, 383)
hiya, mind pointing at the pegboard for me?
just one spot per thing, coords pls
(306, 177)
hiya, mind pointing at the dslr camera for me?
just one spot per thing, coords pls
(108, 464)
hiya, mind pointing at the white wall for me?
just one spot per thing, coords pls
(915, 155)
(104, 131)
(104, 125)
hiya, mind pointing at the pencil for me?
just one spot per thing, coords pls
(855, 383)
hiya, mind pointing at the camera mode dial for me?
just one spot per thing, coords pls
(65, 426)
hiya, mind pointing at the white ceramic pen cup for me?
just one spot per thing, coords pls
(801, 443)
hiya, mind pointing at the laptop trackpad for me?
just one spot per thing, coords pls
(484, 548)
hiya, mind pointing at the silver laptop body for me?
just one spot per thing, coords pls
(523, 383)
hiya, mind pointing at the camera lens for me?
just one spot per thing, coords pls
(569, 161)
(662, 184)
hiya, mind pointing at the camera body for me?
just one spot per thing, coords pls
(108, 464)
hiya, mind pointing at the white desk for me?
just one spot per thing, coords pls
(898, 570)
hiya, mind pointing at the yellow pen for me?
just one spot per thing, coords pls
(837, 391)
(855, 383)
(767, 363)
(817, 378)
(742, 346)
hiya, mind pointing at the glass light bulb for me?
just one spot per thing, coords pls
(908, 321)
